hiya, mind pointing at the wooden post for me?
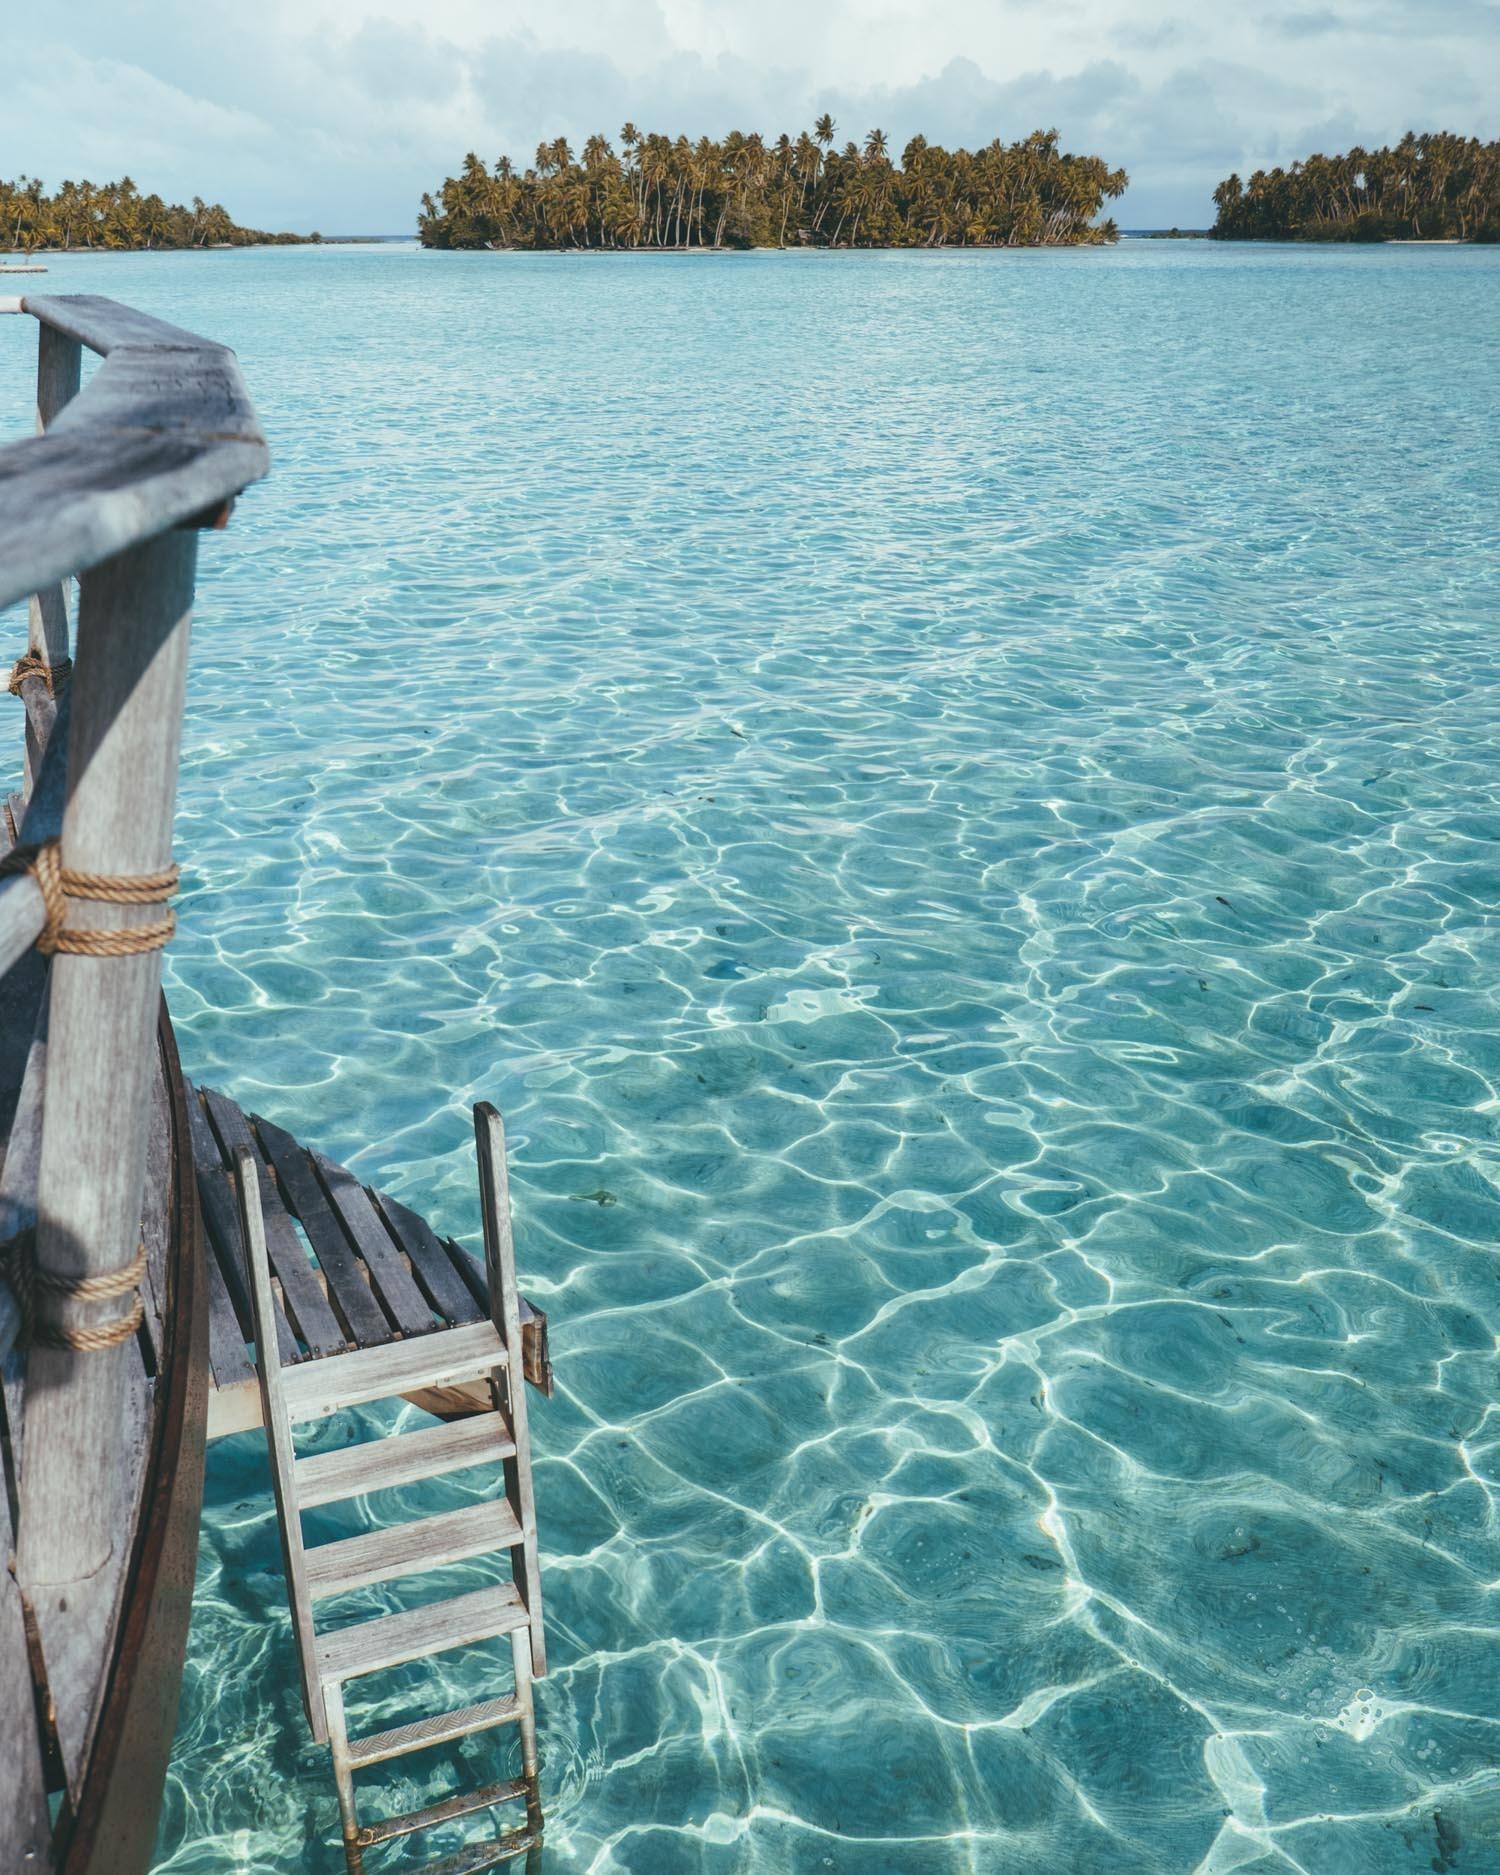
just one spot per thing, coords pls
(500, 1273)
(59, 367)
(123, 737)
(320, 1711)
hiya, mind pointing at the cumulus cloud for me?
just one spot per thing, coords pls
(335, 114)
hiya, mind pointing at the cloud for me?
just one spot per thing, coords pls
(330, 113)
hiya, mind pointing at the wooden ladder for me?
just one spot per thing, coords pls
(504, 1522)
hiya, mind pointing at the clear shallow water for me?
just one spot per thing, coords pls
(951, 802)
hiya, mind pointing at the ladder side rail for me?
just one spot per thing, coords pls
(500, 1273)
(278, 1433)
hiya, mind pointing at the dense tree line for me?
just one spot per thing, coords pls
(660, 192)
(1432, 187)
(114, 215)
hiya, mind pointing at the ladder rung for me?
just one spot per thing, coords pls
(380, 1464)
(422, 1733)
(404, 1549)
(392, 1640)
(443, 1812)
(314, 1389)
(482, 1855)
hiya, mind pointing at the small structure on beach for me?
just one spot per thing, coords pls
(174, 1270)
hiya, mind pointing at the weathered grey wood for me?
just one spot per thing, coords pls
(75, 497)
(59, 362)
(22, 913)
(124, 730)
(313, 1389)
(535, 1345)
(221, 1218)
(23, 1153)
(404, 1458)
(278, 1432)
(500, 1270)
(443, 1729)
(391, 1279)
(103, 325)
(227, 1359)
(163, 434)
(155, 1201)
(222, 1226)
(403, 1549)
(301, 1291)
(392, 1640)
(349, 1287)
(25, 1821)
(440, 1281)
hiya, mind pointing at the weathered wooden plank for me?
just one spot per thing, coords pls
(500, 1273)
(221, 1219)
(25, 1821)
(403, 1549)
(401, 1458)
(392, 1640)
(536, 1352)
(162, 434)
(221, 1223)
(391, 1279)
(227, 1359)
(314, 1389)
(87, 1409)
(349, 1288)
(22, 913)
(278, 1432)
(434, 1271)
(443, 1729)
(105, 324)
(301, 1291)
(59, 360)
(155, 1204)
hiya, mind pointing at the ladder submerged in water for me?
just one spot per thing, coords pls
(484, 1356)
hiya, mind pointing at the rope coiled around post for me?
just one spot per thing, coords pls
(57, 884)
(33, 664)
(33, 1284)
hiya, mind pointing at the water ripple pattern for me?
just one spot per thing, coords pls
(951, 800)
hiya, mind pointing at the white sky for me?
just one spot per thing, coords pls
(336, 115)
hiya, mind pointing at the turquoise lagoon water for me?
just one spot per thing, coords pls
(951, 801)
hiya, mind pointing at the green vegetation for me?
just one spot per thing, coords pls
(745, 192)
(115, 215)
(1428, 188)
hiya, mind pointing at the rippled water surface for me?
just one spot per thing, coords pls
(951, 802)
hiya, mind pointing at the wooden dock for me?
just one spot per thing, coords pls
(353, 1268)
(160, 1248)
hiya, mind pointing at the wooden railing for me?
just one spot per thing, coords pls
(112, 494)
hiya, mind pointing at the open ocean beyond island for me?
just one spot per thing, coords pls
(951, 801)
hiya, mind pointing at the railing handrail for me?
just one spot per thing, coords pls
(163, 434)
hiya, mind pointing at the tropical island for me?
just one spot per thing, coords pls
(1433, 187)
(669, 194)
(115, 216)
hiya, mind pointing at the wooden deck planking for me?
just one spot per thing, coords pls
(154, 1220)
(349, 1285)
(302, 1293)
(399, 1294)
(392, 1640)
(222, 1226)
(427, 1285)
(431, 1263)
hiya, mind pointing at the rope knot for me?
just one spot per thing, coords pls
(33, 1285)
(57, 884)
(33, 664)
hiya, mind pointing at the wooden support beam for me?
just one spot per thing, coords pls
(126, 721)
(58, 373)
(500, 1269)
